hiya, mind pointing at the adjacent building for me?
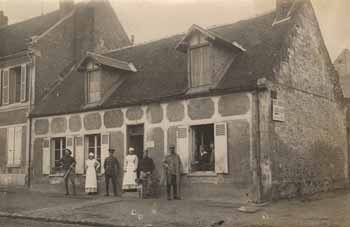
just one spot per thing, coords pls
(35, 55)
(261, 96)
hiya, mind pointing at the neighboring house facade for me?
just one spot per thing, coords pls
(34, 56)
(261, 96)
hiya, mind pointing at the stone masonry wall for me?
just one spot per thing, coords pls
(309, 150)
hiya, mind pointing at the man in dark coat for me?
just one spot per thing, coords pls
(146, 167)
(68, 165)
(172, 169)
(111, 166)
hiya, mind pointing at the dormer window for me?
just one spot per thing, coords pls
(209, 57)
(94, 88)
(199, 66)
(102, 76)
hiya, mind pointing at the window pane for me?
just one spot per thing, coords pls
(94, 86)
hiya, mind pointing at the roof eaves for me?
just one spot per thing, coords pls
(107, 61)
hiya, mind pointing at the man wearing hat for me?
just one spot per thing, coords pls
(172, 169)
(111, 166)
(68, 165)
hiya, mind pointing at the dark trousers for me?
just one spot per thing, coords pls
(171, 183)
(114, 183)
(69, 177)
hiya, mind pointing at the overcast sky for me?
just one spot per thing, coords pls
(154, 19)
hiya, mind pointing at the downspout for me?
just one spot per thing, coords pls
(257, 152)
(261, 84)
(31, 103)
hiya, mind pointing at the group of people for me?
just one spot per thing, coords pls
(136, 172)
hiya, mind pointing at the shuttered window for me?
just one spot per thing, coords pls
(5, 87)
(221, 155)
(79, 154)
(14, 146)
(199, 62)
(182, 146)
(23, 83)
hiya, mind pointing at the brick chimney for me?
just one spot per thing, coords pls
(282, 9)
(66, 6)
(3, 19)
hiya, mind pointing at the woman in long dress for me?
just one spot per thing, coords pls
(130, 170)
(91, 177)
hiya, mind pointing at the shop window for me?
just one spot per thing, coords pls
(58, 146)
(93, 145)
(203, 152)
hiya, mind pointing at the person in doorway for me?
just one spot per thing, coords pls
(111, 167)
(212, 157)
(172, 169)
(130, 170)
(68, 164)
(92, 165)
(146, 168)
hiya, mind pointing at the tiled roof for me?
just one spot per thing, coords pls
(162, 70)
(14, 38)
(111, 62)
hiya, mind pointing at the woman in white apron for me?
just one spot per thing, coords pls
(130, 170)
(91, 166)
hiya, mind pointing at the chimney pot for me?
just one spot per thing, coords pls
(3, 19)
(132, 39)
(66, 6)
(282, 8)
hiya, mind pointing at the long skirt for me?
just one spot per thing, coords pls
(91, 180)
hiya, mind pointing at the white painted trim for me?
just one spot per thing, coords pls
(14, 106)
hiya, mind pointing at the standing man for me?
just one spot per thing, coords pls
(146, 167)
(68, 165)
(111, 167)
(172, 169)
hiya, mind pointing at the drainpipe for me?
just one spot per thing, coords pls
(31, 103)
(261, 84)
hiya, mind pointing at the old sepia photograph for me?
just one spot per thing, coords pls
(174, 113)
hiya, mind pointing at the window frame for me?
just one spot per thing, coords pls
(54, 168)
(193, 149)
(97, 147)
(204, 69)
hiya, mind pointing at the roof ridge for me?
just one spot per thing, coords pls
(32, 18)
(184, 33)
(241, 20)
(142, 43)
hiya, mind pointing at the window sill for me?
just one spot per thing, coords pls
(202, 174)
(19, 105)
(13, 165)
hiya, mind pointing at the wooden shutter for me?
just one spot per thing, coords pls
(104, 148)
(10, 146)
(221, 160)
(79, 154)
(182, 147)
(5, 87)
(23, 83)
(46, 156)
(18, 146)
(1, 72)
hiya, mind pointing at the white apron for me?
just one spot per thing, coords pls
(91, 177)
(130, 175)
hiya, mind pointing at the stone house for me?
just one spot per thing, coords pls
(261, 96)
(34, 56)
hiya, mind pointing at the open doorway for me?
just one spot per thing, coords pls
(135, 138)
